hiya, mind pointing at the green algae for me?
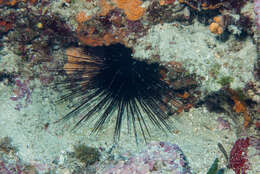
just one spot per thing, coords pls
(214, 167)
(86, 154)
(225, 80)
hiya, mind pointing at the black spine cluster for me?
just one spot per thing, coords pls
(112, 83)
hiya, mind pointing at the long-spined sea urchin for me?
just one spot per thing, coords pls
(112, 82)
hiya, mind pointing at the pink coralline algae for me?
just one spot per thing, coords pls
(238, 160)
(257, 12)
(22, 91)
(12, 166)
(223, 124)
(158, 157)
(10, 169)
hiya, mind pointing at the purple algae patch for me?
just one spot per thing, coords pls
(22, 91)
(156, 158)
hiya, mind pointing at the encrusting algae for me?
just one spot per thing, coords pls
(105, 7)
(14, 2)
(132, 8)
(106, 39)
(240, 107)
(81, 17)
(94, 36)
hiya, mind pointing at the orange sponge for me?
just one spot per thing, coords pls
(81, 17)
(14, 2)
(105, 7)
(132, 8)
(217, 27)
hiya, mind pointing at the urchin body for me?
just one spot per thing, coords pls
(112, 83)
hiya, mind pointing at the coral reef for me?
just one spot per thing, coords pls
(157, 157)
(37, 35)
(34, 39)
(110, 25)
(235, 18)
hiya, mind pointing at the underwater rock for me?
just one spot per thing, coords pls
(157, 157)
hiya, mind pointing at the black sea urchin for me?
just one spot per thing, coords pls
(112, 83)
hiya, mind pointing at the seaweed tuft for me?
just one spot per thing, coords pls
(86, 154)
